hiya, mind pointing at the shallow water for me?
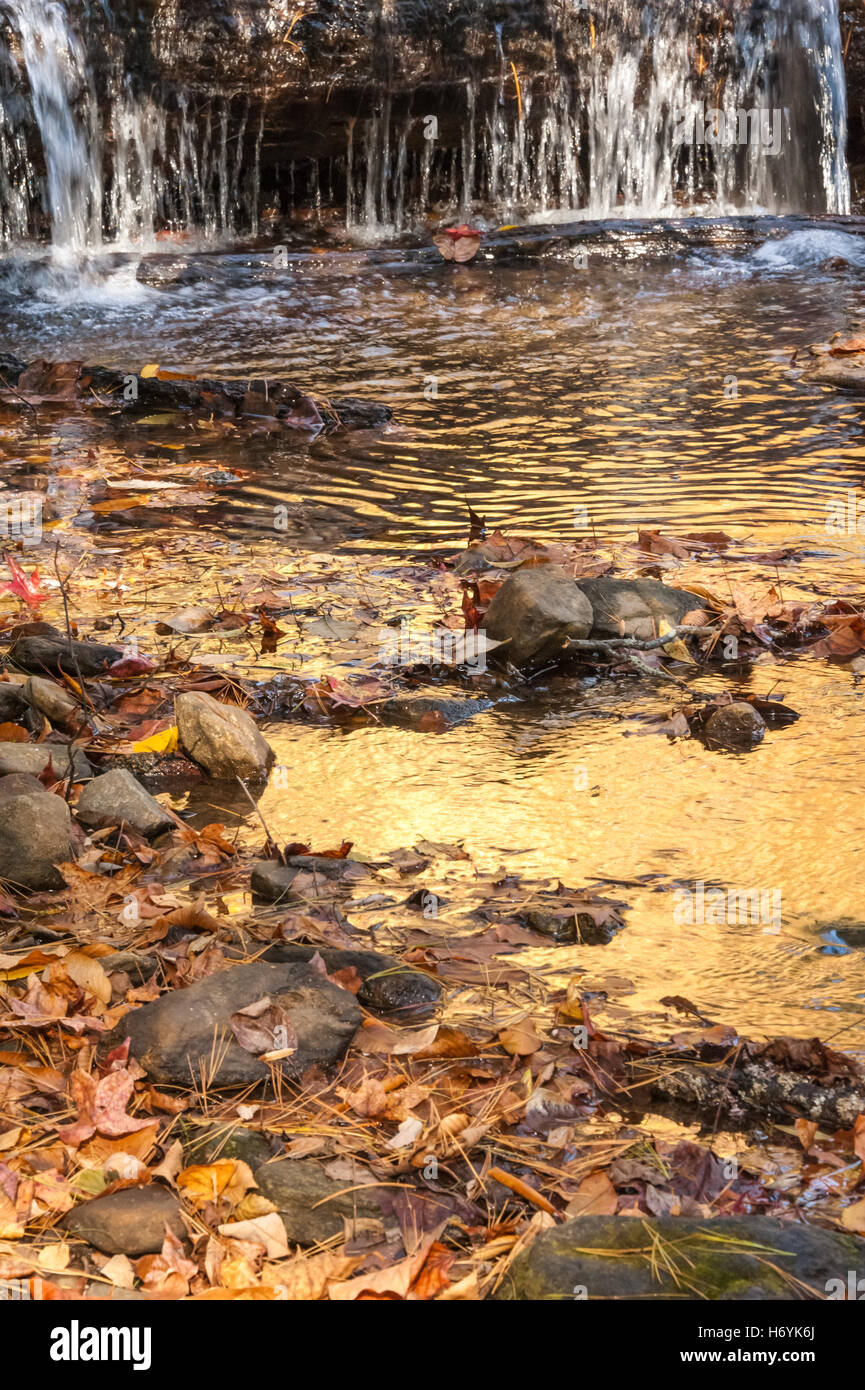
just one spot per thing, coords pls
(560, 402)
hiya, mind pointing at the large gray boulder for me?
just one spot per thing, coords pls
(186, 1036)
(34, 757)
(116, 798)
(719, 1259)
(635, 607)
(35, 836)
(535, 612)
(223, 739)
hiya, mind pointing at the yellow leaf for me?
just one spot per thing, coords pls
(676, 649)
(237, 1274)
(253, 1205)
(88, 974)
(151, 370)
(54, 1257)
(204, 1182)
(595, 1196)
(853, 1218)
(163, 742)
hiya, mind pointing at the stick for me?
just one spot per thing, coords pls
(522, 1189)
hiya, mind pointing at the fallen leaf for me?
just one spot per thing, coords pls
(595, 1196)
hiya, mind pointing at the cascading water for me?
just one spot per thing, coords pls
(645, 108)
(63, 102)
(111, 163)
(654, 111)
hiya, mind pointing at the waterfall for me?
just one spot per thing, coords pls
(111, 164)
(63, 104)
(641, 108)
(656, 111)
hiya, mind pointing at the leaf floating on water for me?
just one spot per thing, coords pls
(849, 346)
(458, 244)
(23, 586)
(187, 620)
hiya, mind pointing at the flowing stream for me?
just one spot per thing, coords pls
(559, 402)
(602, 394)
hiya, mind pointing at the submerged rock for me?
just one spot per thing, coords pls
(116, 798)
(535, 612)
(428, 711)
(388, 985)
(160, 272)
(571, 928)
(737, 725)
(35, 836)
(223, 739)
(129, 1222)
(716, 1259)
(313, 1206)
(186, 1035)
(635, 607)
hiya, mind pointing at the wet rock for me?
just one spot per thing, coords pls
(35, 836)
(160, 272)
(158, 771)
(223, 739)
(737, 725)
(388, 985)
(535, 612)
(561, 1260)
(54, 653)
(12, 702)
(314, 1206)
(571, 928)
(52, 700)
(426, 711)
(34, 758)
(851, 933)
(271, 880)
(116, 798)
(635, 607)
(186, 1035)
(325, 866)
(129, 1222)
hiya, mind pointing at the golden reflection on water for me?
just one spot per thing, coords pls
(657, 394)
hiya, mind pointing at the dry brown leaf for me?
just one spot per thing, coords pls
(595, 1196)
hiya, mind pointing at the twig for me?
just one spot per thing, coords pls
(630, 647)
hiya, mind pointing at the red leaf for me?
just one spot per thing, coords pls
(23, 586)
